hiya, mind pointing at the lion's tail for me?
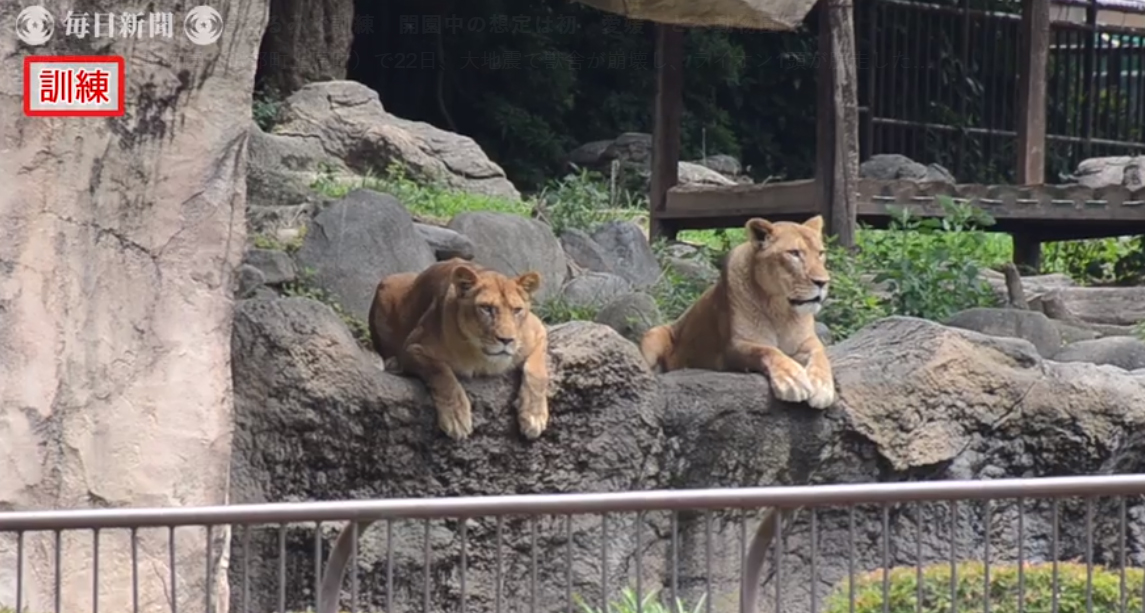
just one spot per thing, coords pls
(655, 346)
(336, 566)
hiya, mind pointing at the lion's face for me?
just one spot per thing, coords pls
(493, 309)
(791, 260)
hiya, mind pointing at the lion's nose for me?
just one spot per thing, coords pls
(505, 340)
(820, 283)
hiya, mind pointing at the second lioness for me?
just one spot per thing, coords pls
(759, 316)
(457, 320)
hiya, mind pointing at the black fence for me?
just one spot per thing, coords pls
(940, 84)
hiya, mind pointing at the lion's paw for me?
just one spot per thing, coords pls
(533, 418)
(791, 384)
(822, 392)
(455, 417)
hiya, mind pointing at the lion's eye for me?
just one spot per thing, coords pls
(795, 253)
(517, 311)
(489, 309)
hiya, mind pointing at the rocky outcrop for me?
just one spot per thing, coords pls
(1123, 171)
(120, 238)
(632, 151)
(918, 400)
(894, 166)
(306, 42)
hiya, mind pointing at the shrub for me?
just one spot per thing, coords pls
(850, 302)
(931, 266)
(648, 604)
(584, 201)
(971, 589)
(1119, 261)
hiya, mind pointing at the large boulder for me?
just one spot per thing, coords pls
(357, 135)
(1124, 171)
(355, 242)
(119, 242)
(1015, 323)
(317, 419)
(514, 245)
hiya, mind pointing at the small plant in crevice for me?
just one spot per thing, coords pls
(303, 287)
(266, 108)
(558, 309)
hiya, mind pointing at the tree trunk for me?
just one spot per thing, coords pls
(118, 240)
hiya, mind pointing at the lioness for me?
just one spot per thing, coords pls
(759, 316)
(457, 319)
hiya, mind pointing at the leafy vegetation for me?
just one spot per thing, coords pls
(647, 603)
(972, 588)
(304, 287)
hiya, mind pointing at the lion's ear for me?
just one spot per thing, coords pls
(530, 282)
(815, 223)
(464, 278)
(759, 230)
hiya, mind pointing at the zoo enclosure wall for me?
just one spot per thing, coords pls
(570, 552)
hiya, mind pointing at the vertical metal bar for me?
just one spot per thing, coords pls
(874, 79)
(58, 574)
(894, 78)
(1054, 555)
(533, 587)
(780, 548)
(462, 530)
(743, 545)
(246, 568)
(639, 564)
(568, 562)
(918, 558)
(171, 561)
(389, 565)
(814, 559)
(1021, 555)
(318, 564)
(1088, 554)
(708, 560)
(1089, 80)
(354, 527)
(604, 563)
(986, 555)
(282, 568)
(675, 581)
(1121, 528)
(851, 558)
(134, 570)
(886, 562)
(425, 565)
(953, 555)
(210, 570)
(499, 534)
(20, 572)
(95, 571)
(960, 160)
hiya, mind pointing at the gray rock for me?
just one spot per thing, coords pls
(446, 243)
(1120, 351)
(358, 240)
(824, 333)
(589, 154)
(1108, 171)
(594, 289)
(631, 315)
(250, 279)
(693, 270)
(1016, 323)
(894, 166)
(724, 164)
(584, 251)
(629, 253)
(276, 266)
(515, 245)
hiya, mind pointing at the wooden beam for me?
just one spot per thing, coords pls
(666, 114)
(845, 183)
(1033, 62)
(788, 199)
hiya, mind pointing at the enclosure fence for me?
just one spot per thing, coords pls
(938, 82)
(579, 552)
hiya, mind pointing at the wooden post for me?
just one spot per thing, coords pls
(1033, 62)
(668, 109)
(837, 158)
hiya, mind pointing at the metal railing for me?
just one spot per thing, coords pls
(691, 519)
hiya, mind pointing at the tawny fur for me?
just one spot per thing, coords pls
(441, 325)
(759, 316)
(456, 320)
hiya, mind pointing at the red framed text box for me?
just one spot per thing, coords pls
(73, 85)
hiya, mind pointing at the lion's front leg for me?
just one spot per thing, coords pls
(533, 395)
(819, 374)
(454, 412)
(789, 380)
